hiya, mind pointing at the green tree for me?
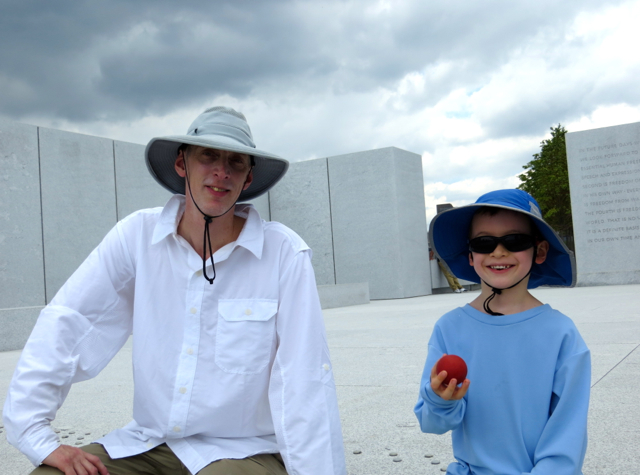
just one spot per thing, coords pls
(547, 179)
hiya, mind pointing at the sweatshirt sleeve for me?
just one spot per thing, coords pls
(563, 443)
(74, 338)
(436, 416)
(302, 392)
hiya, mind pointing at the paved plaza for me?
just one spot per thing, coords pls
(378, 352)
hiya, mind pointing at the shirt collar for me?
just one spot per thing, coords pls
(251, 237)
(169, 218)
(252, 234)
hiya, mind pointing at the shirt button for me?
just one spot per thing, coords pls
(183, 390)
(189, 351)
(193, 310)
(176, 429)
(149, 445)
(326, 367)
(248, 311)
(199, 273)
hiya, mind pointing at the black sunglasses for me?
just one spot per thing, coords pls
(512, 242)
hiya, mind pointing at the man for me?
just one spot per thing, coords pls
(230, 361)
(452, 280)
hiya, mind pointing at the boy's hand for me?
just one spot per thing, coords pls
(451, 392)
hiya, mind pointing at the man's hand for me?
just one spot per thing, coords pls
(451, 392)
(74, 461)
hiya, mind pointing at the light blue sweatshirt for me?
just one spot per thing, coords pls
(526, 408)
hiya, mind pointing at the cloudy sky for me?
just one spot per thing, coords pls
(472, 86)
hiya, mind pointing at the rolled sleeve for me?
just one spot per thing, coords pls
(302, 391)
(74, 338)
(436, 415)
(563, 443)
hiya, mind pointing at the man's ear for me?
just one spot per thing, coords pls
(471, 259)
(248, 181)
(542, 251)
(179, 165)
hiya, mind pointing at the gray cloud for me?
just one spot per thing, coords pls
(121, 59)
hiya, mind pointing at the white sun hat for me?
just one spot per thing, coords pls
(221, 128)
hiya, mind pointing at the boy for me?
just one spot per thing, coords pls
(526, 411)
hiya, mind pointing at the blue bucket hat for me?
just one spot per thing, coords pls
(449, 235)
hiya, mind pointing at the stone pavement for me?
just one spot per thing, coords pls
(378, 352)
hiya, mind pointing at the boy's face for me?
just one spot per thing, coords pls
(502, 268)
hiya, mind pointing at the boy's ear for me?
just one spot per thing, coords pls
(542, 251)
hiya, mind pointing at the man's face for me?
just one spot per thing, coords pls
(216, 177)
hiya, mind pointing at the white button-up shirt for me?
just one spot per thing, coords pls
(228, 370)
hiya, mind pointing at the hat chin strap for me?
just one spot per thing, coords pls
(206, 240)
(497, 291)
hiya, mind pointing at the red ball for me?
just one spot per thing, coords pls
(454, 366)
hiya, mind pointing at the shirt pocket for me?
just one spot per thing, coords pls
(245, 334)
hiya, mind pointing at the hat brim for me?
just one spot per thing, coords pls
(449, 232)
(161, 154)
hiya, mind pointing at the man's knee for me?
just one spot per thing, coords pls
(263, 464)
(46, 470)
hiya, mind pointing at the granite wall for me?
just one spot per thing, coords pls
(60, 194)
(604, 176)
(361, 213)
(363, 216)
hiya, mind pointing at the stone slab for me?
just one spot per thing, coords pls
(383, 365)
(605, 356)
(378, 351)
(598, 333)
(16, 325)
(92, 408)
(412, 223)
(21, 255)
(592, 307)
(78, 200)
(604, 176)
(397, 432)
(13, 462)
(370, 371)
(301, 201)
(135, 187)
(261, 203)
(379, 224)
(613, 433)
(343, 295)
